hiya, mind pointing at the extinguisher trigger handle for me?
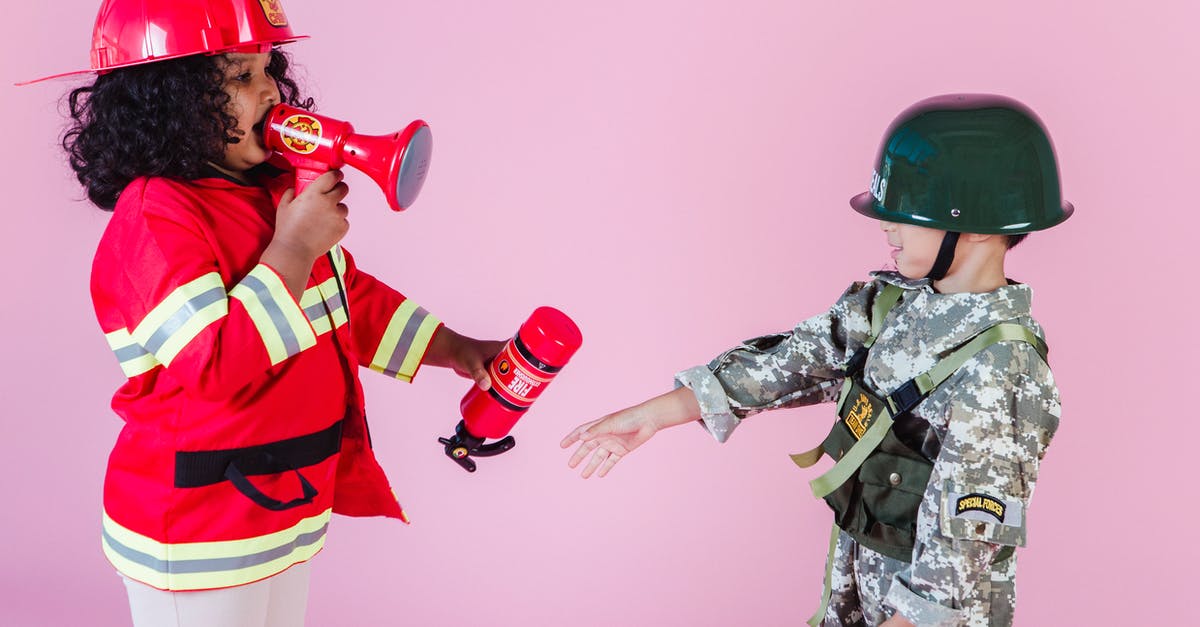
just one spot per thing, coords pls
(495, 448)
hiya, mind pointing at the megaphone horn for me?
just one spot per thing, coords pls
(315, 144)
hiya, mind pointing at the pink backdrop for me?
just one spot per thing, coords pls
(676, 175)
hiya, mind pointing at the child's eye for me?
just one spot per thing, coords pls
(244, 77)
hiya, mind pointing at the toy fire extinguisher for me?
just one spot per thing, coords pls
(519, 374)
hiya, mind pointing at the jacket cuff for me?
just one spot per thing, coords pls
(281, 323)
(715, 414)
(405, 341)
(919, 610)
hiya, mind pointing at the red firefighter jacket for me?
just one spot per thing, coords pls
(244, 421)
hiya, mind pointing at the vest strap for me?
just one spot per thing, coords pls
(880, 308)
(823, 485)
(908, 396)
(819, 615)
(808, 458)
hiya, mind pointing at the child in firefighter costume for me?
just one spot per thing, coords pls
(945, 400)
(237, 317)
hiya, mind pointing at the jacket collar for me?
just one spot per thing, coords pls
(944, 321)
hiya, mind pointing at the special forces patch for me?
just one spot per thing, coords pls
(980, 503)
(986, 508)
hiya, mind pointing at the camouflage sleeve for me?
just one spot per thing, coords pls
(1004, 409)
(800, 367)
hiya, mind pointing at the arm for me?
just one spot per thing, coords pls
(164, 304)
(800, 367)
(1003, 411)
(395, 336)
(804, 366)
(618, 434)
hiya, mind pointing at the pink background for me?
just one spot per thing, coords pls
(675, 176)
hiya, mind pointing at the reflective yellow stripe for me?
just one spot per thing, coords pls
(181, 316)
(134, 359)
(202, 565)
(281, 324)
(339, 260)
(404, 341)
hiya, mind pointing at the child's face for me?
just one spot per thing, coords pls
(252, 94)
(915, 248)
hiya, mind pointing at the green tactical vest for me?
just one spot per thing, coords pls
(882, 468)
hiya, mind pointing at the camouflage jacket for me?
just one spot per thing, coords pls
(994, 418)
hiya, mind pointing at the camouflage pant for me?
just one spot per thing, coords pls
(861, 578)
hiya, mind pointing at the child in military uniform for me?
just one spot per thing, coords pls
(946, 403)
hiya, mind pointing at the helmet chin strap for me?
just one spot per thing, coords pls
(945, 257)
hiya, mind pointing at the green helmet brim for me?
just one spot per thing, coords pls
(865, 204)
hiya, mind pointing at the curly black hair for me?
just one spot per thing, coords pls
(165, 118)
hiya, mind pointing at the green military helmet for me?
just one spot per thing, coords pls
(968, 163)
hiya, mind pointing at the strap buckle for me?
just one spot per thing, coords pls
(904, 398)
(857, 361)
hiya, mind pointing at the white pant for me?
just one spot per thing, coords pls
(277, 601)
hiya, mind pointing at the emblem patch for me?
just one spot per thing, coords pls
(301, 133)
(274, 12)
(976, 502)
(860, 416)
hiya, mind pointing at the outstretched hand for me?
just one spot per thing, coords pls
(609, 439)
(614, 436)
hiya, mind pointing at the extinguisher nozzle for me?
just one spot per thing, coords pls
(461, 446)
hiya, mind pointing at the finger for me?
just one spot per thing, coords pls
(327, 181)
(581, 453)
(604, 426)
(573, 436)
(482, 380)
(598, 458)
(343, 209)
(287, 197)
(339, 191)
(608, 464)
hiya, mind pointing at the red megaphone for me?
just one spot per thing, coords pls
(315, 144)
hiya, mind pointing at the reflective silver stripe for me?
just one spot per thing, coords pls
(182, 316)
(219, 564)
(133, 351)
(133, 357)
(317, 311)
(405, 342)
(260, 289)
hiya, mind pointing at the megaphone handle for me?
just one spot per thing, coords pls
(308, 172)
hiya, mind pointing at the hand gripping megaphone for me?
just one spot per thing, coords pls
(315, 144)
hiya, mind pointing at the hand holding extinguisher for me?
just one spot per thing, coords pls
(519, 374)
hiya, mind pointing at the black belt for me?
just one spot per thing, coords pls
(194, 469)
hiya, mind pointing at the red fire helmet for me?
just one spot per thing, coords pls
(133, 32)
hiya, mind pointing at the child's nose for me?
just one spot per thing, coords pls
(271, 94)
(886, 226)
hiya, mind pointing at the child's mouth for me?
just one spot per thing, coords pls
(258, 131)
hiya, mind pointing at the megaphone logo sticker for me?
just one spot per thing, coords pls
(301, 133)
(274, 12)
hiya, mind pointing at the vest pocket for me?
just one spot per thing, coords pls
(893, 487)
